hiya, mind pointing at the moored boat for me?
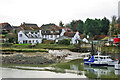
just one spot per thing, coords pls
(99, 60)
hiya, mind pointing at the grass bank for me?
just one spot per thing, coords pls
(110, 49)
(24, 50)
(36, 48)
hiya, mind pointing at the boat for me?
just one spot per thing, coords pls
(100, 60)
(87, 56)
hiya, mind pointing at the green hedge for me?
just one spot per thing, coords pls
(64, 42)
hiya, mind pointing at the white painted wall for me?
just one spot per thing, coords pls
(24, 37)
(62, 33)
(75, 38)
(85, 40)
(20, 39)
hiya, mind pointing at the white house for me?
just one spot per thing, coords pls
(29, 37)
(74, 36)
(85, 40)
(49, 33)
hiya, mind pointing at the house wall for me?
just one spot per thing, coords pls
(50, 37)
(21, 38)
(62, 33)
(25, 40)
(76, 38)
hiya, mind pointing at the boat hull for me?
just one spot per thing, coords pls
(92, 64)
(86, 59)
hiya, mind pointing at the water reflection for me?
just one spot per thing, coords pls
(75, 68)
(102, 72)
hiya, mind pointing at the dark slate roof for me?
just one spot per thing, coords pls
(5, 26)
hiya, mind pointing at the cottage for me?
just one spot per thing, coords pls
(51, 31)
(48, 32)
(74, 36)
(29, 37)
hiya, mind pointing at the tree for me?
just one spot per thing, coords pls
(91, 27)
(115, 26)
(61, 24)
(64, 42)
(11, 37)
(105, 25)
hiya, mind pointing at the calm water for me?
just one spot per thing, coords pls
(16, 73)
(74, 69)
(71, 70)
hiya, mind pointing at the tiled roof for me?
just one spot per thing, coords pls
(69, 34)
(29, 26)
(66, 29)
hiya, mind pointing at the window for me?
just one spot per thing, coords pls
(51, 31)
(56, 36)
(57, 31)
(37, 41)
(30, 41)
(51, 36)
(20, 35)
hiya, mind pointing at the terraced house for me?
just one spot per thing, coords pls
(34, 35)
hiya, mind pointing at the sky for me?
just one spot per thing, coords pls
(41, 12)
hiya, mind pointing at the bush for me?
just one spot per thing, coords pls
(64, 42)
(7, 44)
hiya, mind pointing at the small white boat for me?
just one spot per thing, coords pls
(99, 60)
(117, 66)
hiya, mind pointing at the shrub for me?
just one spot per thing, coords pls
(7, 44)
(64, 42)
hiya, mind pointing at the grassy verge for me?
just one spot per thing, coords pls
(38, 47)
(24, 50)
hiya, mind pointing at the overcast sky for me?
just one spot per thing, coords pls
(53, 11)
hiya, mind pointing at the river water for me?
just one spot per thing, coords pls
(74, 69)
(49, 72)
(16, 73)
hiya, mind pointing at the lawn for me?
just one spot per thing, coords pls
(36, 48)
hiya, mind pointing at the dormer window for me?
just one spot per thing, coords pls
(20, 35)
